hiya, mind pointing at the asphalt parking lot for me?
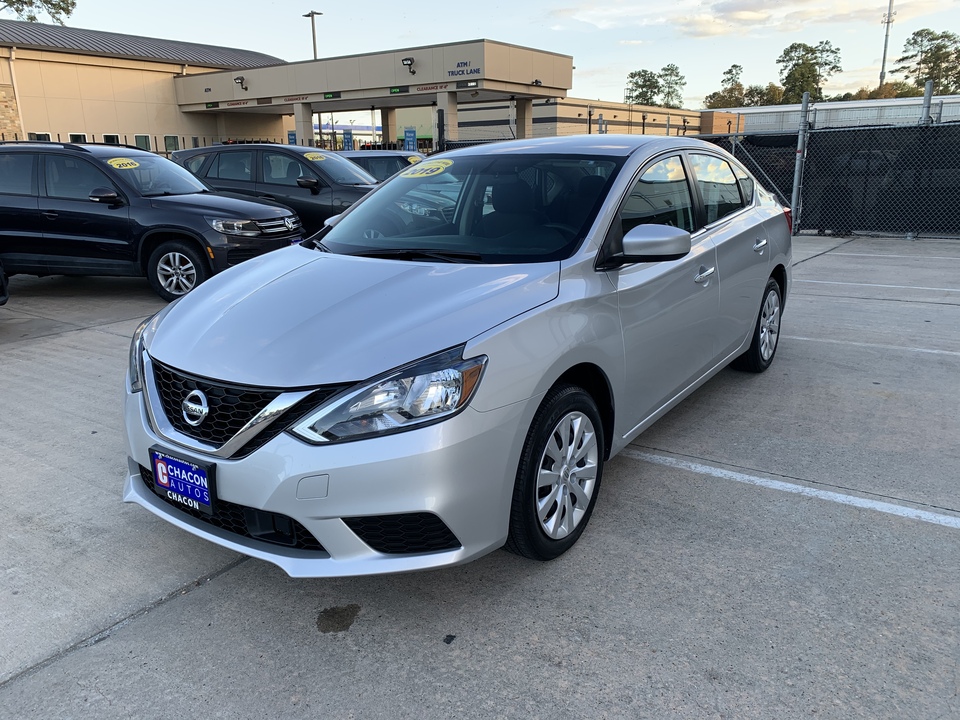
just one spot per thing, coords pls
(779, 546)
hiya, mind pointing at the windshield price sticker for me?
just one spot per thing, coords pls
(181, 482)
(316, 157)
(427, 168)
(413, 159)
(123, 163)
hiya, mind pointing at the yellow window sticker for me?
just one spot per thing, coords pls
(123, 163)
(316, 157)
(427, 168)
(413, 159)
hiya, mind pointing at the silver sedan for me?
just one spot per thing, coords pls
(444, 369)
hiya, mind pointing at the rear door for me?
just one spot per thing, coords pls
(80, 235)
(742, 246)
(233, 171)
(280, 172)
(20, 234)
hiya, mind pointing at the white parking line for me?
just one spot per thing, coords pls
(878, 346)
(884, 255)
(895, 287)
(949, 521)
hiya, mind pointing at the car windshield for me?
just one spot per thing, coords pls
(482, 208)
(383, 166)
(152, 175)
(339, 169)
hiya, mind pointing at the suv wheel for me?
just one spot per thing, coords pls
(176, 268)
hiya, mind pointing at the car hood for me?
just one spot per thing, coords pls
(220, 205)
(297, 317)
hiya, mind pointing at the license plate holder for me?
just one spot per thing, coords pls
(186, 484)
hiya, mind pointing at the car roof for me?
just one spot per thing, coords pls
(381, 153)
(612, 145)
(95, 149)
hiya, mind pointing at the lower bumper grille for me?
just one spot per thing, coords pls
(235, 256)
(403, 534)
(246, 521)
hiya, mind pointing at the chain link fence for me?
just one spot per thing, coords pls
(891, 180)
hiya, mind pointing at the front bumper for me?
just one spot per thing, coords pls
(461, 470)
(230, 250)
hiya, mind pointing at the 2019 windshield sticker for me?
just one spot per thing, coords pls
(123, 163)
(413, 159)
(427, 168)
(316, 157)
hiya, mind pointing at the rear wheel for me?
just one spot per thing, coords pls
(766, 333)
(558, 479)
(176, 268)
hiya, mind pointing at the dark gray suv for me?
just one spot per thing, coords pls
(70, 209)
(315, 184)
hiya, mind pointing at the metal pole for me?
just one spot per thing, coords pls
(313, 29)
(887, 20)
(925, 118)
(798, 165)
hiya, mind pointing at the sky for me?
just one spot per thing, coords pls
(607, 39)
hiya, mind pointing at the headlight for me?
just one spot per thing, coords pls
(135, 366)
(246, 228)
(418, 394)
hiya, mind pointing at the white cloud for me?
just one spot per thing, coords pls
(631, 42)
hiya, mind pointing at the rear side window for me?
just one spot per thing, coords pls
(718, 186)
(232, 166)
(281, 169)
(72, 178)
(660, 197)
(17, 174)
(747, 186)
(193, 164)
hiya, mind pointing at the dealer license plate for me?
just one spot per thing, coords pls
(182, 482)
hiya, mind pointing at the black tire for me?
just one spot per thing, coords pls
(566, 407)
(766, 333)
(175, 268)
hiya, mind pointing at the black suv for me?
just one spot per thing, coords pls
(313, 183)
(70, 209)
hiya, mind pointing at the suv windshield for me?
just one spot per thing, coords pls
(518, 208)
(341, 170)
(153, 175)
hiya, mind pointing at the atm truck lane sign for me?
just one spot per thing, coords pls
(182, 482)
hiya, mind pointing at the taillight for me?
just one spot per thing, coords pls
(789, 217)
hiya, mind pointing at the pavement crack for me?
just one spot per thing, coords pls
(102, 635)
(825, 252)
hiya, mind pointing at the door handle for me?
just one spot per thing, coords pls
(704, 274)
(759, 245)
(50, 214)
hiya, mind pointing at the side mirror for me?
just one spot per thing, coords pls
(649, 243)
(104, 195)
(311, 183)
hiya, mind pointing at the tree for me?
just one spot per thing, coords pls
(757, 95)
(672, 84)
(28, 9)
(805, 68)
(731, 93)
(643, 88)
(929, 55)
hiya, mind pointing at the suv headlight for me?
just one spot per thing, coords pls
(245, 228)
(135, 364)
(419, 394)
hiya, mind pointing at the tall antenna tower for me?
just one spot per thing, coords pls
(888, 21)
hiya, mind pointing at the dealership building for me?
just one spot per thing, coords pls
(73, 85)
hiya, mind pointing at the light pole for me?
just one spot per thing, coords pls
(313, 29)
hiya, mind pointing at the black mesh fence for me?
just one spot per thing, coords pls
(892, 180)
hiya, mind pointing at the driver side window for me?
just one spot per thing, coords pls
(660, 197)
(72, 178)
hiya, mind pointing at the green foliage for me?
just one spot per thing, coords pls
(805, 68)
(731, 93)
(929, 55)
(665, 88)
(28, 9)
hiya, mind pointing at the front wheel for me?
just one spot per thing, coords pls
(766, 333)
(558, 479)
(176, 268)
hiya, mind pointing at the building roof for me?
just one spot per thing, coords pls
(37, 36)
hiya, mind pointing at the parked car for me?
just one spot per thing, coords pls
(70, 209)
(313, 183)
(409, 390)
(4, 294)
(382, 164)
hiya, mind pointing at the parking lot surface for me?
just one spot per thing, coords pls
(779, 546)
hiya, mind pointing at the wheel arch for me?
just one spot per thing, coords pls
(155, 238)
(595, 382)
(780, 275)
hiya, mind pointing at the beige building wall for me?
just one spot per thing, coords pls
(10, 128)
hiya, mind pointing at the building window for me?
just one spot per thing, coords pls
(196, 141)
(78, 137)
(111, 139)
(142, 142)
(41, 137)
(171, 143)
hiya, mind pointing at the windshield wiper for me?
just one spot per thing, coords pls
(450, 256)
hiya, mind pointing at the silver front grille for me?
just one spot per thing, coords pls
(280, 226)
